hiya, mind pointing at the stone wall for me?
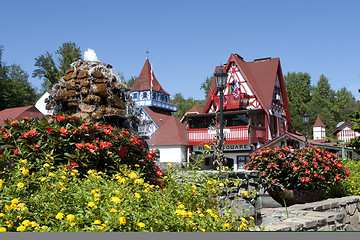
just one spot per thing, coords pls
(337, 214)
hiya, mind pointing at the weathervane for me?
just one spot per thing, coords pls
(147, 54)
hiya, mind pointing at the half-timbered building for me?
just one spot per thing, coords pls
(255, 106)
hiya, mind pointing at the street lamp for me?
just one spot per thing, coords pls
(220, 80)
(305, 118)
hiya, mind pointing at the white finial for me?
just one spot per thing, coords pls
(90, 55)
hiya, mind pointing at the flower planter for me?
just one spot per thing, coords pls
(296, 196)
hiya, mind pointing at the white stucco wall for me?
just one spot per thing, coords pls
(172, 153)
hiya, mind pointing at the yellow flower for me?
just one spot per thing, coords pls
(46, 165)
(97, 195)
(62, 189)
(190, 214)
(21, 228)
(26, 223)
(251, 218)
(245, 193)
(227, 225)
(63, 177)
(221, 185)
(181, 206)
(1, 183)
(132, 175)
(193, 187)
(14, 201)
(24, 171)
(169, 165)
(122, 180)
(23, 161)
(139, 181)
(201, 215)
(97, 222)
(122, 220)
(51, 175)
(44, 227)
(115, 200)
(42, 179)
(207, 147)
(137, 165)
(141, 224)
(70, 217)
(113, 210)
(59, 216)
(202, 229)
(90, 172)
(9, 223)
(209, 182)
(73, 224)
(137, 195)
(2, 215)
(242, 226)
(20, 185)
(91, 204)
(2, 229)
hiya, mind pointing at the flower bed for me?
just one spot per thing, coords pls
(65, 174)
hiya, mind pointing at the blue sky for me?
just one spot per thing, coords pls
(187, 39)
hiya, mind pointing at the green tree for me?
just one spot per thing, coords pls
(131, 81)
(184, 105)
(47, 69)
(323, 104)
(15, 89)
(206, 85)
(298, 89)
(355, 120)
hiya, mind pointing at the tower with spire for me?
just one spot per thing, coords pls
(153, 101)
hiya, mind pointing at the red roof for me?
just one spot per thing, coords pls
(158, 115)
(20, 112)
(341, 127)
(318, 122)
(143, 82)
(171, 133)
(195, 109)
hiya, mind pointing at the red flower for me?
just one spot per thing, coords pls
(327, 168)
(60, 117)
(159, 173)
(87, 123)
(107, 131)
(122, 151)
(33, 132)
(74, 131)
(103, 145)
(6, 135)
(84, 128)
(256, 167)
(64, 131)
(26, 118)
(307, 171)
(79, 145)
(273, 181)
(274, 165)
(73, 164)
(37, 145)
(263, 174)
(13, 122)
(307, 179)
(302, 180)
(269, 166)
(337, 177)
(292, 164)
(315, 174)
(295, 169)
(16, 151)
(49, 130)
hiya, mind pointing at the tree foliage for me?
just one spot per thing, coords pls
(355, 120)
(206, 85)
(184, 105)
(49, 71)
(318, 100)
(15, 89)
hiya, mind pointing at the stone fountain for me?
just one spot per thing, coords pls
(93, 91)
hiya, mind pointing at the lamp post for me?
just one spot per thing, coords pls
(305, 118)
(220, 80)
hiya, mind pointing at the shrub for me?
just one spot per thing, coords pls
(70, 141)
(352, 184)
(302, 169)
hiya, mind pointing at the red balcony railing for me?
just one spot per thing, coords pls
(231, 103)
(232, 135)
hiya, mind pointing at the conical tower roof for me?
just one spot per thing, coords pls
(143, 82)
(318, 122)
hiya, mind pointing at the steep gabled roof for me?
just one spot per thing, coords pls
(318, 122)
(158, 115)
(143, 82)
(341, 127)
(19, 112)
(171, 133)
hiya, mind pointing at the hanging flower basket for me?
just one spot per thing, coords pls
(292, 197)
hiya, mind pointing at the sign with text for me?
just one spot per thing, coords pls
(230, 147)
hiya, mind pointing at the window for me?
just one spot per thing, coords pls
(231, 88)
(241, 161)
(135, 95)
(236, 120)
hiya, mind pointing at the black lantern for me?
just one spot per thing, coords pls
(220, 79)
(306, 118)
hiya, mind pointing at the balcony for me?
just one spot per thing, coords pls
(233, 135)
(230, 103)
